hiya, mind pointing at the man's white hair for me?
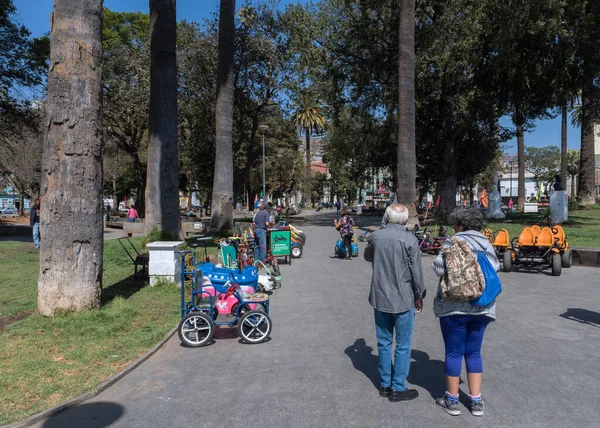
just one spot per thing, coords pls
(397, 214)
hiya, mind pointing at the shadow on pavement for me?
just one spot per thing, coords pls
(90, 415)
(582, 316)
(364, 361)
(424, 372)
(427, 373)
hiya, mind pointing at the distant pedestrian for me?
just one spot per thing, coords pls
(397, 292)
(558, 186)
(510, 205)
(346, 227)
(463, 324)
(261, 224)
(34, 220)
(132, 214)
(337, 206)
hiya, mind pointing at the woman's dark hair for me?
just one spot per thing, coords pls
(345, 212)
(470, 218)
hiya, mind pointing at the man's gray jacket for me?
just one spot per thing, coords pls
(397, 273)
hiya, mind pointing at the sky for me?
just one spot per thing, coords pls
(35, 15)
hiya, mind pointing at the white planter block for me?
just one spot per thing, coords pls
(164, 263)
(559, 203)
(530, 207)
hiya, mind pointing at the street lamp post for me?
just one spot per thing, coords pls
(511, 168)
(263, 129)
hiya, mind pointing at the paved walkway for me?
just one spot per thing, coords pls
(319, 369)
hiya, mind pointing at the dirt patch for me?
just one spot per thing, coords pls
(5, 322)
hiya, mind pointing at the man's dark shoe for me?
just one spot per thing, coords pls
(409, 394)
(384, 391)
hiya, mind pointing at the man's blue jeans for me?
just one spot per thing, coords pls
(260, 239)
(385, 324)
(36, 235)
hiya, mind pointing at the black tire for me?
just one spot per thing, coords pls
(567, 258)
(302, 236)
(556, 264)
(297, 251)
(275, 266)
(254, 327)
(507, 261)
(361, 238)
(190, 326)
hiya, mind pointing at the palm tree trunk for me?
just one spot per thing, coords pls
(573, 186)
(406, 169)
(586, 185)
(563, 143)
(71, 210)
(520, 121)
(307, 175)
(162, 176)
(223, 177)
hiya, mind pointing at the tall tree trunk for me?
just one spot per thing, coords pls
(563, 143)
(140, 184)
(446, 188)
(162, 175)
(71, 209)
(520, 121)
(190, 191)
(586, 185)
(307, 175)
(223, 177)
(573, 186)
(406, 168)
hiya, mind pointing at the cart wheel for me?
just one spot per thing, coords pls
(254, 327)
(556, 264)
(361, 238)
(195, 330)
(297, 252)
(507, 261)
(567, 258)
(275, 266)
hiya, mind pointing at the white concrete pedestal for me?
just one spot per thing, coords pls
(559, 203)
(164, 263)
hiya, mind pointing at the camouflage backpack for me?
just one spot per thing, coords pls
(463, 279)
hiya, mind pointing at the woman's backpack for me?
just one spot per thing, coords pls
(346, 225)
(463, 279)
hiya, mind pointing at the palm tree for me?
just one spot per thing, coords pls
(71, 209)
(162, 178)
(572, 167)
(586, 183)
(222, 194)
(406, 156)
(310, 118)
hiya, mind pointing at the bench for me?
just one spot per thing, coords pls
(140, 259)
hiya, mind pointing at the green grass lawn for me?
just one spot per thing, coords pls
(582, 228)
(45, 361)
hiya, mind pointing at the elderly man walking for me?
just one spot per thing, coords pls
(397, 293)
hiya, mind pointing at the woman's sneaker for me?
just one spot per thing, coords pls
(450, 407)
(477, 408)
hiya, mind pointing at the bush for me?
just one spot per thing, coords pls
(573, 204)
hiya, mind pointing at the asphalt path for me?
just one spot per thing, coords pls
(320, 367)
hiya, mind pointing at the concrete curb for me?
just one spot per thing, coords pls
(88, 395)
(586, 256)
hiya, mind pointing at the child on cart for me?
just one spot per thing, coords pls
(345, 226)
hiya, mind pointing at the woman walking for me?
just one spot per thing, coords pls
(132, 214)
(463, 325)
(345, 226)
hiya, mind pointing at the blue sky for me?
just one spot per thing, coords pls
(37, 19)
